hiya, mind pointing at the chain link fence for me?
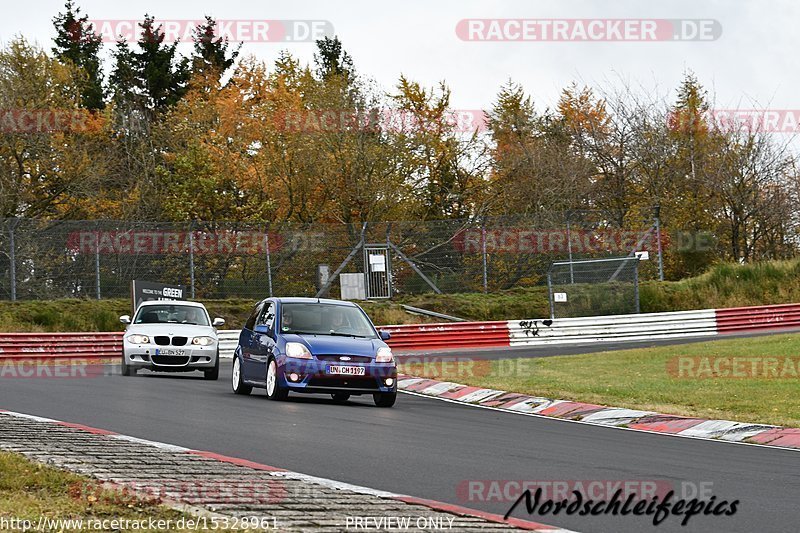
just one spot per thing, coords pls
(593, 287)
(42, 259)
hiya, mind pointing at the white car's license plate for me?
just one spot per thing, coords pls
(170, 351)
(346, 370)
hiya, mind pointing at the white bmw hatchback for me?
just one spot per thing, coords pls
(171, 336)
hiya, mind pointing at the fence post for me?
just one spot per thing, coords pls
(97, 260)
(658, 237)
(550, 295)
(269, 262)
(636, 284)
(191, 258)
(569, 249)
(483, 252)
(12, 258)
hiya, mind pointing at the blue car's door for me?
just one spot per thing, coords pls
(246, 340)
(263, 344)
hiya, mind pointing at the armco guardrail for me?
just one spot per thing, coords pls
(63, 345)
(228, 340)
(451, 335)
(464, 334)
(756, 318)
(613, 328)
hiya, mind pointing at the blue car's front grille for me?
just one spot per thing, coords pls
(352, 358)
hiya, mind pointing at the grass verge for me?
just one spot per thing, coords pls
(29, 491)
(650, 378)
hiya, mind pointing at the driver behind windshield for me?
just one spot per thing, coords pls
(339, 323)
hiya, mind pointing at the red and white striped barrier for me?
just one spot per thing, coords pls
(679, 324)
(587, 413)
(461, 335)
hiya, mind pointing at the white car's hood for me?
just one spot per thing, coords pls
(185, 330)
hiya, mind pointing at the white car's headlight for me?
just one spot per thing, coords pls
(138, 339)
(203, 341)
(297, 350)
(384, 355)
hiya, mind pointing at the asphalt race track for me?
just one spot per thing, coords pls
(423, 447)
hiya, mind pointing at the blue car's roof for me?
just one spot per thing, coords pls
(298, 300)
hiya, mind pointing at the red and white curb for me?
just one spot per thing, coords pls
(286, 474)
(632, 419)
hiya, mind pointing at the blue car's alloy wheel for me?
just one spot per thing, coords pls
(274, 390)
(239, 386)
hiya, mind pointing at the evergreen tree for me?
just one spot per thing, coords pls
(332, 60)
(211, 54)
(151, 78)
(77, 43)
(163, 76)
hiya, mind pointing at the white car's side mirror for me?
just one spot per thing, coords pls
(125, 319)
(218, 322)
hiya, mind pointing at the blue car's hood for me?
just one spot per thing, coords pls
(329, 345)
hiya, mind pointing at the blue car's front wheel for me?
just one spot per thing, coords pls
(274, 389)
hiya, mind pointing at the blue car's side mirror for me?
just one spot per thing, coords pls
(385, 335)
(263, 328)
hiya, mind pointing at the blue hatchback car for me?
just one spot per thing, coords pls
(317, 346)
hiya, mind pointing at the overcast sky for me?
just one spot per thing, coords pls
(754, 60)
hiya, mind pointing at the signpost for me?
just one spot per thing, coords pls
(143, 291)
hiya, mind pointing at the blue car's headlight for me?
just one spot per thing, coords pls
(297, 350)
(384, 355)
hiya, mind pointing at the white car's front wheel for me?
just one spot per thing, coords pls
(126, 369)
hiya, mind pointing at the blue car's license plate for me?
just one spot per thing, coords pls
(346, 370)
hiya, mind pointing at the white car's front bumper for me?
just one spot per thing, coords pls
(189, 357)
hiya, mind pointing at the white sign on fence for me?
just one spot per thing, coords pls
(377, 263)
(559, 296)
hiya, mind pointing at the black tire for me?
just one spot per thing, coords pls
(385, 399)
(126, 369)
(239, 387)
(340, 397)
(212, 374)
(277, 393)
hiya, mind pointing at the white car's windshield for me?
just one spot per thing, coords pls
(171, 314)
(325, 319)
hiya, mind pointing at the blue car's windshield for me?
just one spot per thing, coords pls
(325, 319)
